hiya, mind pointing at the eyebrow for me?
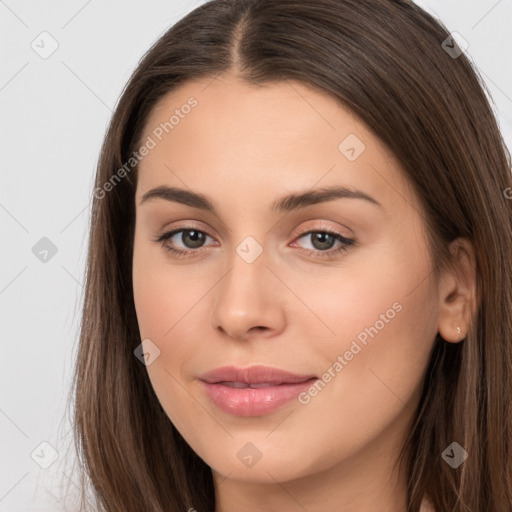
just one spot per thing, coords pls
(286, 203)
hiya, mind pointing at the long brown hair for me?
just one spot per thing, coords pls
(387, 61)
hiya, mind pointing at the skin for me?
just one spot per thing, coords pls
(244, 147)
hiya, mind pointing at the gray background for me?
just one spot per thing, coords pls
(54, 112)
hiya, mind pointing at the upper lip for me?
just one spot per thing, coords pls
(253, 375)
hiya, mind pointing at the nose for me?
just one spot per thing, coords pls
(249, 301)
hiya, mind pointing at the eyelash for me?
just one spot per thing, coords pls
(329, 253)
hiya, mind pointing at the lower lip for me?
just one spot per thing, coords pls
(253, 402)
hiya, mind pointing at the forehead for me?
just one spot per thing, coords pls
(222, 133)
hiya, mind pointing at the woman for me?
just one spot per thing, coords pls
(224, 364)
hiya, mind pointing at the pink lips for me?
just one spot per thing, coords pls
(253, 391)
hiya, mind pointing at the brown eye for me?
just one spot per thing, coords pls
(191, 239)
(322, 241)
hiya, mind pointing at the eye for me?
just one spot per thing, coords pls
(323, 241)
(193, 240)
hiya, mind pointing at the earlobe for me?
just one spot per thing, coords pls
(457, 292)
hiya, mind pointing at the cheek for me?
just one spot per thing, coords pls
(159, 295)
(161, 303)
(378, 313)
(168, 304)
(378, 358)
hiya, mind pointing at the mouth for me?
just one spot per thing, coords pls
(256, 385)
(253, 391)
(253, 375)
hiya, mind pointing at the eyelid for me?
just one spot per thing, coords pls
(346, 242)
(310, 226)
(189, 225)
(322, 227)
(186, 226)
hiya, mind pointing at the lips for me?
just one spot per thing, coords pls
(253, 391)
(242, 385)
(254, 376)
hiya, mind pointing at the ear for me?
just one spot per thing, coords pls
(457, 292)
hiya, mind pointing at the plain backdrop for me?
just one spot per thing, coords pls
(54, 112)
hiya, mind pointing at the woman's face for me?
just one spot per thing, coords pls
(262, 282)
